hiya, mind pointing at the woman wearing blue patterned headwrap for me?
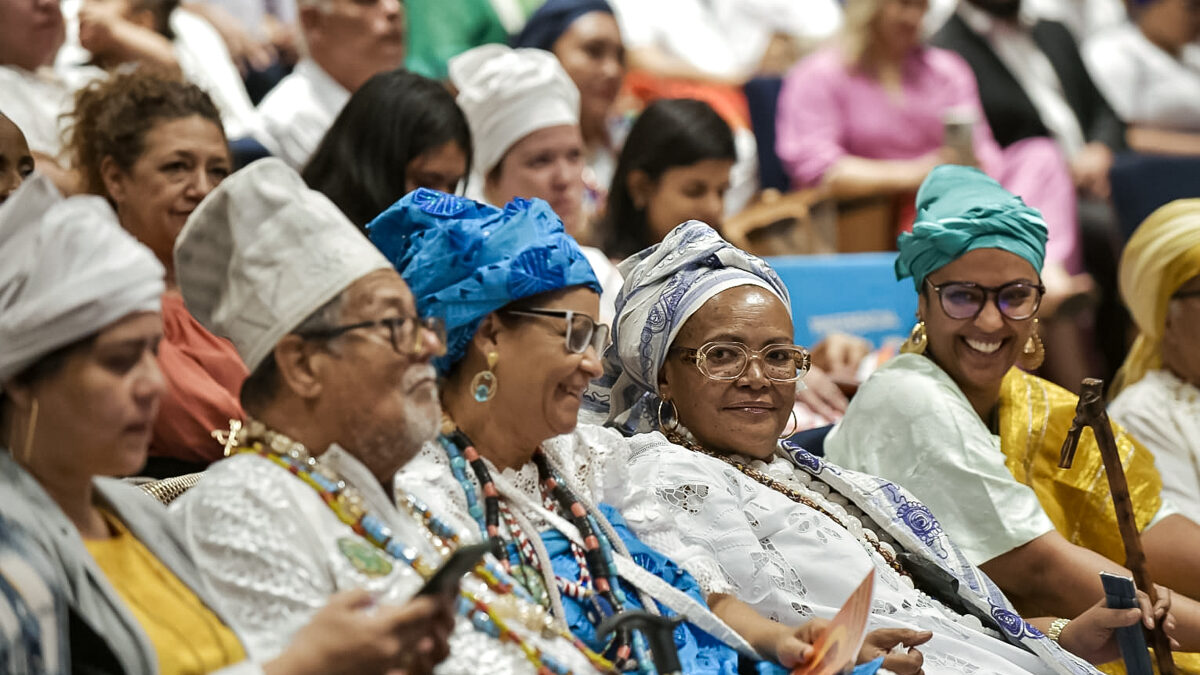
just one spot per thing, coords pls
(977, 439)
(520, 305)
(704, 368)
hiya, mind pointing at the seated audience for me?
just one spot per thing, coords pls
(80, 305)
(583, 34)
(792, 535)
(979, 441)
(873, 114)
(16, 161)
(1157, 396)
(341, 395)
(162, 35)
(523, 339)
(523, 110)
(398, 132)
(1149, 70)
(154, 148)
(346, 42)
(35, 94)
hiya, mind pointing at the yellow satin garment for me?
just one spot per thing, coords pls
(1034, 418)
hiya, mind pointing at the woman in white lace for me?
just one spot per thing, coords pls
(704, 367)
(519, 299)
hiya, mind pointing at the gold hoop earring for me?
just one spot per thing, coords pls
(484, 384)
(917, 340)
(674, 416)
(30, 429)
(1034, 351)
(795, 423)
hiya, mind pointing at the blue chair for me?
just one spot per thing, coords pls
(1142, 183)
(855, 293)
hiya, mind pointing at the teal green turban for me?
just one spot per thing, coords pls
(960, 209)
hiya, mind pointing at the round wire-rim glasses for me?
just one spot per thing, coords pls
(405, 333)
(1017, 300)
(726, 361)
(582, 330)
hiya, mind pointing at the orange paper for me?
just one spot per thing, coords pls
(836, 648)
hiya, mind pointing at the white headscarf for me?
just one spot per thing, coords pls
(262, 252)
(665, 285)
(507, 94)
(69, 271)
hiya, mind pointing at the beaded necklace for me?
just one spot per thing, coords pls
(786, 490)
(350, 508)
(597, 564)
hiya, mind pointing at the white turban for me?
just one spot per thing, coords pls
(262, 252)
(507, 94)
(69, 271)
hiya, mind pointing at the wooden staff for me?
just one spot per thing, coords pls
(1090, 412)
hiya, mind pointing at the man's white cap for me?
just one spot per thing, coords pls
(262, 252)
(507, 94)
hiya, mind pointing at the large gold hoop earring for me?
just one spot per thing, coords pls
(795, 424)
(484, 384)
(1034, 351)
(917, 340)
(674, 426)
(30, 430)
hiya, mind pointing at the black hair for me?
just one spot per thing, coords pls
(669, 133)
(392, 119)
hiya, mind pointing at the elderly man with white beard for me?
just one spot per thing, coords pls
(341, 394)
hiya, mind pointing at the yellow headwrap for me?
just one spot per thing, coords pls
(1162, 254)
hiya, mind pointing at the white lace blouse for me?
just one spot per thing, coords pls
(790, 561)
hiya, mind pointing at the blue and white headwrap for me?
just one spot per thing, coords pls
(664, 285)
(464, 260)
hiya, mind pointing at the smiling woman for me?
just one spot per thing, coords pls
(154, 147)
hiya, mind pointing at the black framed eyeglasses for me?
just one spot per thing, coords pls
(582, 330)
(405, 332)
(725, 361)
(1017, 300)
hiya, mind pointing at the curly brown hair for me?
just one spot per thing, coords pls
(112, 117)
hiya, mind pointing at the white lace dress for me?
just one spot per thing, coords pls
(790, 561)
(272, 553)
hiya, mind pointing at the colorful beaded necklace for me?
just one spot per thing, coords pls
(786, 490)
(597, 565)
(255, 438)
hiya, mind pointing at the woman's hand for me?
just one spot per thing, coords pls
(882, 643)
(1092, 635)
(839, 354)
(795, 647)
(353, 635)
(822, 396)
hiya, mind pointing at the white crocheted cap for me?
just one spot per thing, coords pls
(507, 94)
(262, 252)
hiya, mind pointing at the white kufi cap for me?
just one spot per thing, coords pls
(263, 252)
(69, 271)
(507, 94)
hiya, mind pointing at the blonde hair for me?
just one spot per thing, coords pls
(856, 30)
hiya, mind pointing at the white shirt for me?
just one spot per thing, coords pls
(300, 109)
(1016, 49)
(723, 38)
(272, 552)
(206, 63)
(34, 101)
(1163, 413)
(1143, 83)
(791, 562)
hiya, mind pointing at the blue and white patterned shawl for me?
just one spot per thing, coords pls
(664, 285)
(917, 531)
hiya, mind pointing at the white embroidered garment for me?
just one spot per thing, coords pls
(300, 109)
(594, 460)
(1163, 412)
(273, 552)
(790, 561)
(1143, 83)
